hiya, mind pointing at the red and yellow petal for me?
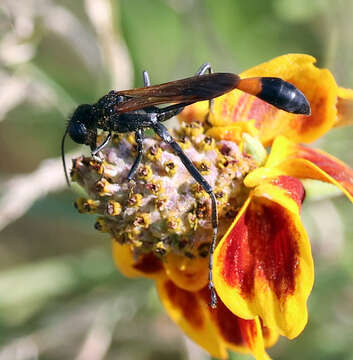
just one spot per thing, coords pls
(249, 332)
(318, 85)
(187, 273)
(270, 336)
(216, 330)
(307, 163)
(143, 266)
(190, 312)
(263, 265)
(238, 334)
(285, 190)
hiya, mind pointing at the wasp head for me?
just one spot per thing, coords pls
(82, 126)
(82, 129)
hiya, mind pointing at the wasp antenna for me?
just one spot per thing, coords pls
(63, 156)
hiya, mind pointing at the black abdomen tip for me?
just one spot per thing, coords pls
(284, 95)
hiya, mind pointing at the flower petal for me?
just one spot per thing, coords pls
(263, 265)
(233, 132)
(188, 310)
(216, 330)
(307, 163)
(318, 85)
(286, 190)
(188, 274)
(270, 336)
(144, 266)
(239, 334)
(344, 107)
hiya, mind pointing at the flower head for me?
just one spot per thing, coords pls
(160, 224)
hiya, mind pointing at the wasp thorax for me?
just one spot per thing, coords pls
(164, 210)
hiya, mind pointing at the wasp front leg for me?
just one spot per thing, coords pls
(102, 145)
(139, 137)
(137, 162)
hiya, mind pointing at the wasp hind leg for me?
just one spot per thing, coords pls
(162, 131)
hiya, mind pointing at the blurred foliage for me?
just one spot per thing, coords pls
(58, 286)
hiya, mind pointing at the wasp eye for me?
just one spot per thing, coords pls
(81, 120)
(77, 132)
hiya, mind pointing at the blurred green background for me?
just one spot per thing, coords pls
(60, 295)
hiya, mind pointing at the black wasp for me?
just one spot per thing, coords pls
(134, 110)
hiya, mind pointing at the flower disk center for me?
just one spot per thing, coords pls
(164, 209)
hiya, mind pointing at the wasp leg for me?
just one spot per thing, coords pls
(137, 162)
(146, 78)
(102, 145)
(206, 67)
(162, 131)
(169, 111)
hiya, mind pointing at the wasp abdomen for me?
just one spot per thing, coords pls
(284, 95)
(277, 92)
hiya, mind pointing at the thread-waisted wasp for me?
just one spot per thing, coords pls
(134, 110)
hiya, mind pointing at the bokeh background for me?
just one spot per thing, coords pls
(60, 295)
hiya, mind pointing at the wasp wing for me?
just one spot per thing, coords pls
(189, 90)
